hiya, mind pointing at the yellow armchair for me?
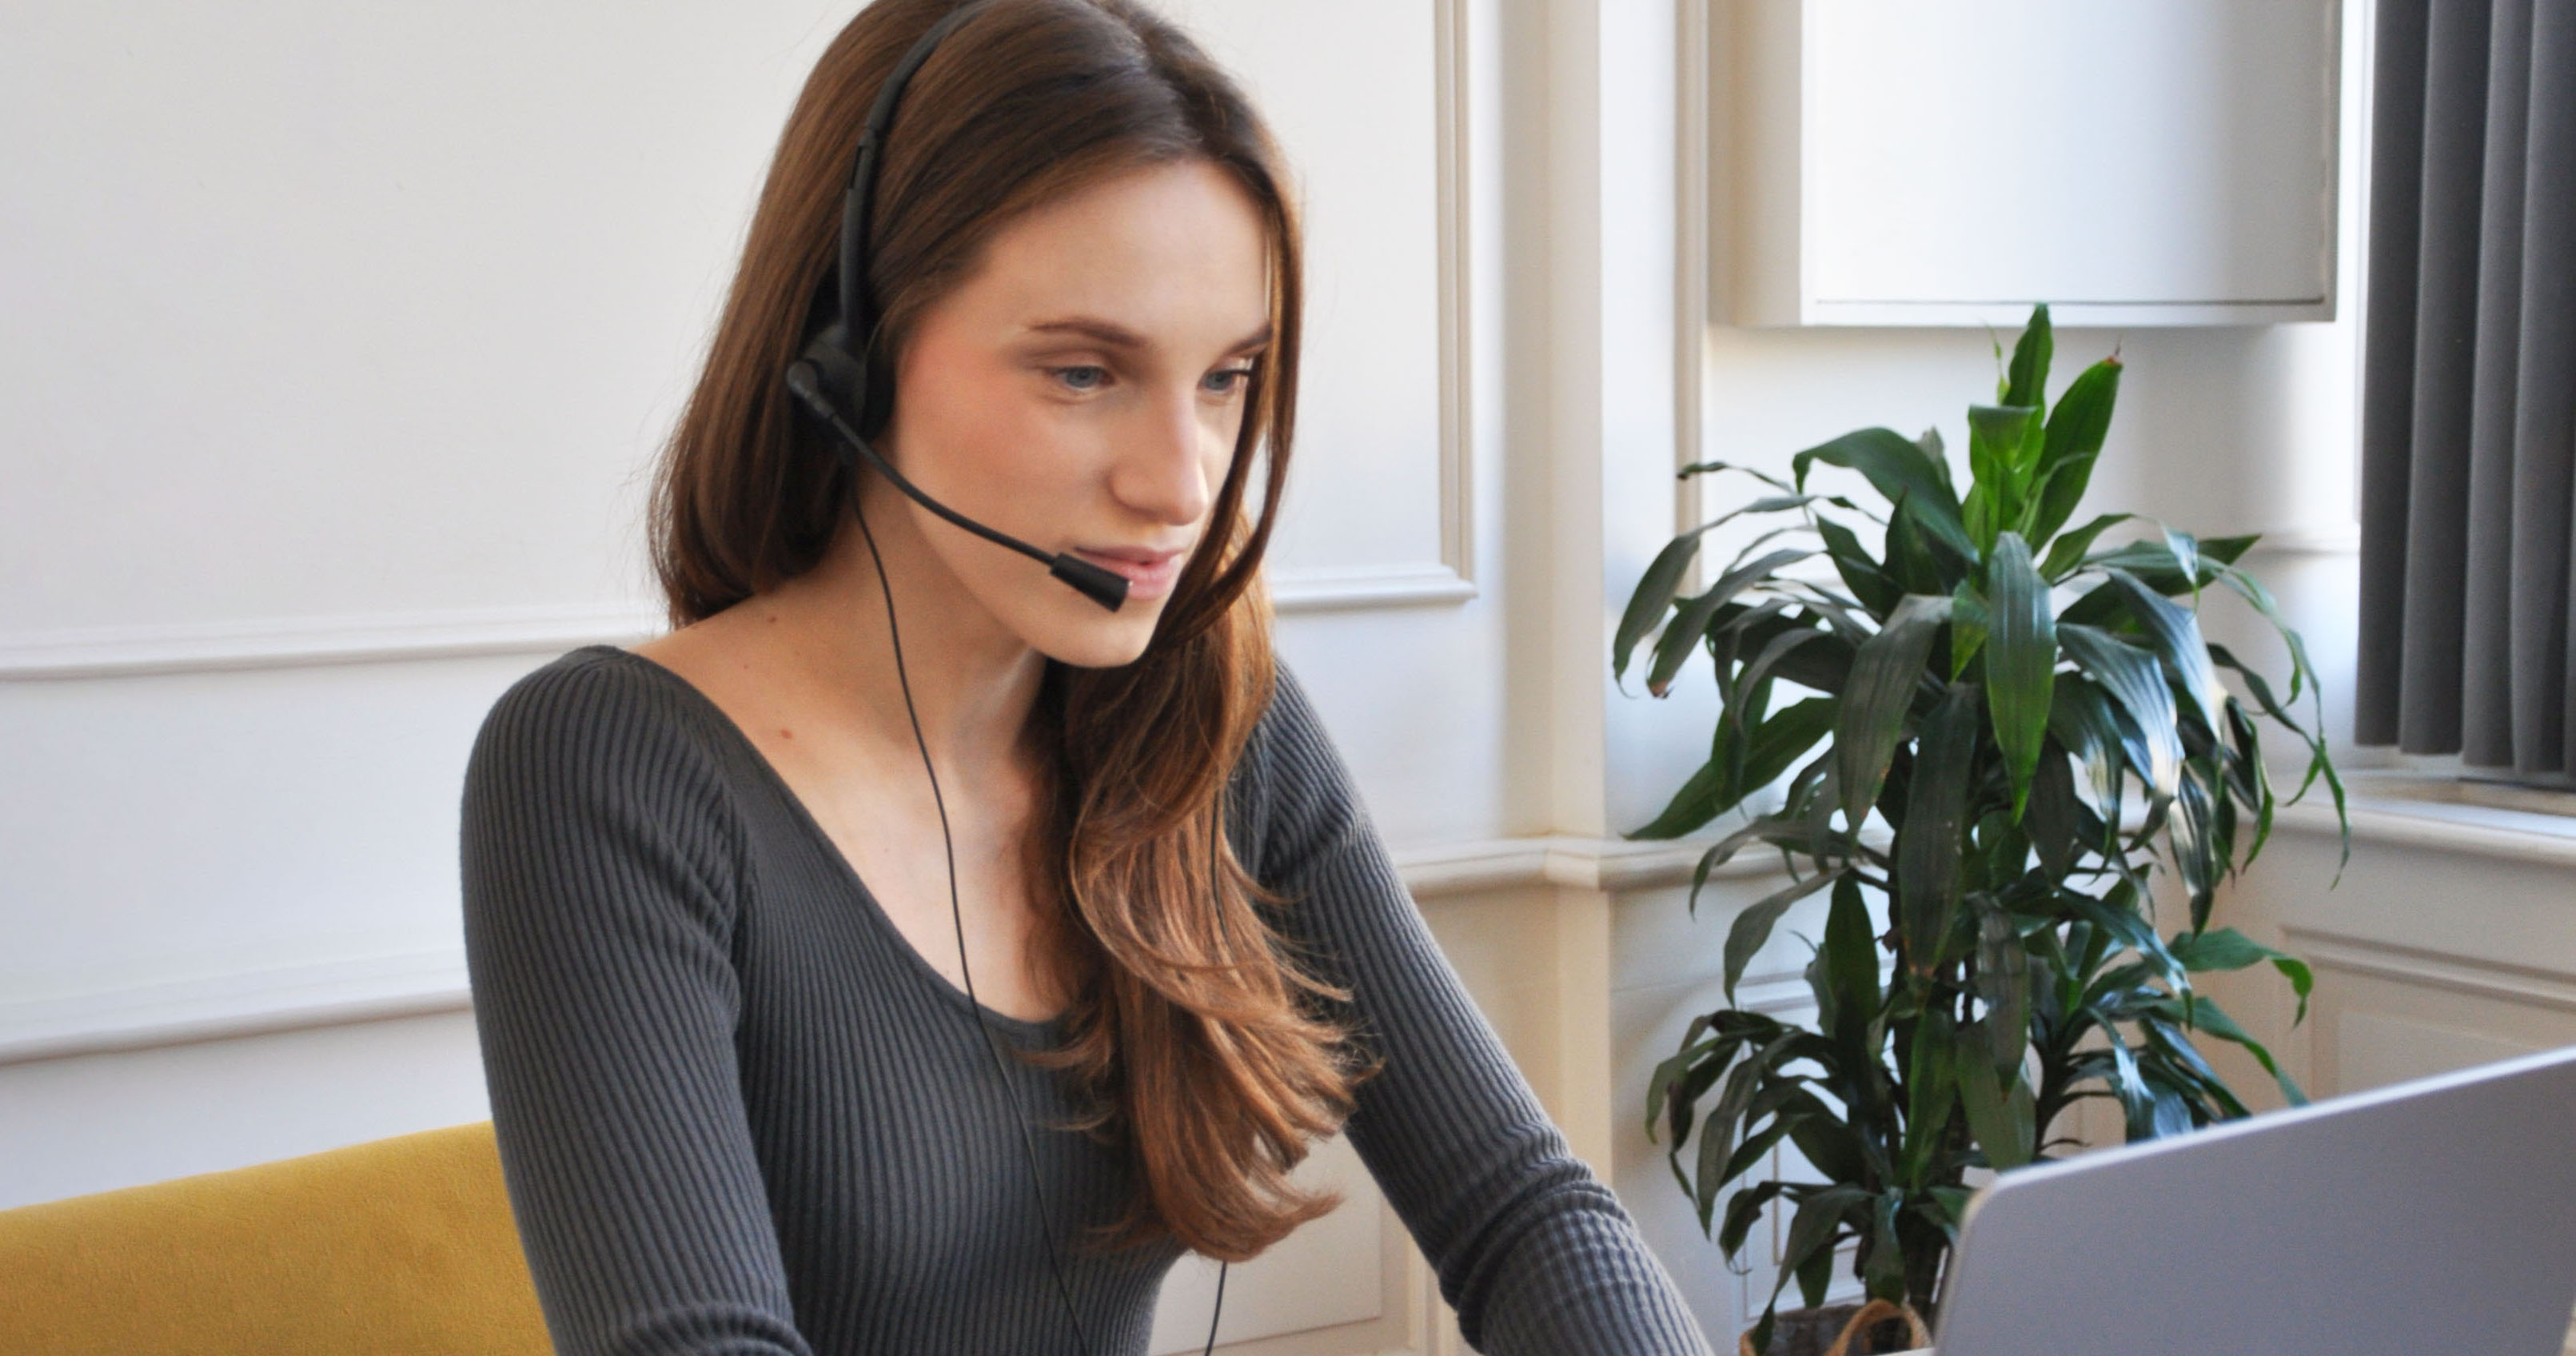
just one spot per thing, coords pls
(399, 1247)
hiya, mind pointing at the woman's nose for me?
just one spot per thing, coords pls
(1161, 472)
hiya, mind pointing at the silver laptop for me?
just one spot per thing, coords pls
(2431, 1217)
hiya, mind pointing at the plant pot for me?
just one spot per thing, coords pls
(1872, 1329)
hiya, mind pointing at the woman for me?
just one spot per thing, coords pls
(754, 910)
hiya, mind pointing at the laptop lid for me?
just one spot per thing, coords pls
(2433, 1216)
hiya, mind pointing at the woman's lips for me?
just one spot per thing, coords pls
(1149, 574)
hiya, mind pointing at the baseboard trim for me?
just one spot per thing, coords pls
(1607, 864)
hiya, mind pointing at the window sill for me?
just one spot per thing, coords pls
(2404, 808)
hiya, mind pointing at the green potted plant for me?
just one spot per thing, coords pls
(2004, 731)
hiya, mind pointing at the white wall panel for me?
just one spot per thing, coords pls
(326, 309)
(2139, 162)
(1375, 144)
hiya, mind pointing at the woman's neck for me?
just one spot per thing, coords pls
(973, 681)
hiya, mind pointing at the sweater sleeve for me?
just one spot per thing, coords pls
(1532, 1250)
(602, 867)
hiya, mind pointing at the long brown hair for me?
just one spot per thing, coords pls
(1198, 1039)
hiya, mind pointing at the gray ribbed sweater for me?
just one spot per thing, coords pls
(739, 1114)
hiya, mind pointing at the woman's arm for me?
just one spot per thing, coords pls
(601, 871)
(1532, 1250)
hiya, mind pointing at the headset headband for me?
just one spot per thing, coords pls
(858, 308)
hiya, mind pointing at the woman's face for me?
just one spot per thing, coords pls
(1081, 391)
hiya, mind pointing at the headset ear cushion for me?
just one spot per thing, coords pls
(843, 378)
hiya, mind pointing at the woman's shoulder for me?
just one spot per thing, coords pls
(598, 718)
(594, 690)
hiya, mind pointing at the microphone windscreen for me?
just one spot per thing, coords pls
(1103, 586)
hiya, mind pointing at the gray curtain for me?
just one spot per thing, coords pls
(2469, 385)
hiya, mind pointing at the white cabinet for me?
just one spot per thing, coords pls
(1949, 162)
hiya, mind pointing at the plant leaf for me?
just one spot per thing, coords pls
(1902, 472)
(1702, 798)
(2070, 445)
(2134, 679)
(1932, 1088)
(1743, 1211)
(2199, 853)
(1769, 828)
(2185, 550)
(2119, 921)
(1829, 1145)
(1968, 624)
(1997, 435)
(1701, 468)
(1774, 652)
(1653, 594)
(2067, 555)
(2051, 821)
(1785, 738)
(1848, 960)
(1928, 842)
(1812, 1231)
(2027, 383)
(2205, 1015)
(1690, 620)
(2003, 985)
(1999, 1118)
(2021, 660)
(1753, 926)
(2228, 949)
(1861, 574)
(1883, 1271)
(1885, 673)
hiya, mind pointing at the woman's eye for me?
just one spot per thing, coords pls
(1227, 381)
(1081, 378)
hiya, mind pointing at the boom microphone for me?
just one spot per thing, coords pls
(1101, 585)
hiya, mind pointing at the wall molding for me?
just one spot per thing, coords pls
(1610, 865)
(242, 1003)
(296, 642)
(1454, 123)
(2308, 541)
(389, 637)
(2525, 985)
(1694, 244)
(2443, 826)
(1452, 578)
(1326, 589)
(416, 983)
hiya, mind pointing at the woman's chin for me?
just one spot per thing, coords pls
(1102, 642)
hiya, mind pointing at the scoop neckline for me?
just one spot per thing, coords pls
(1049, 1031)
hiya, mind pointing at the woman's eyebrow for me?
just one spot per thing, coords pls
(1113, 335)
(1101, 331)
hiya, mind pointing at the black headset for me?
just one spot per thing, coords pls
(832, 377)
